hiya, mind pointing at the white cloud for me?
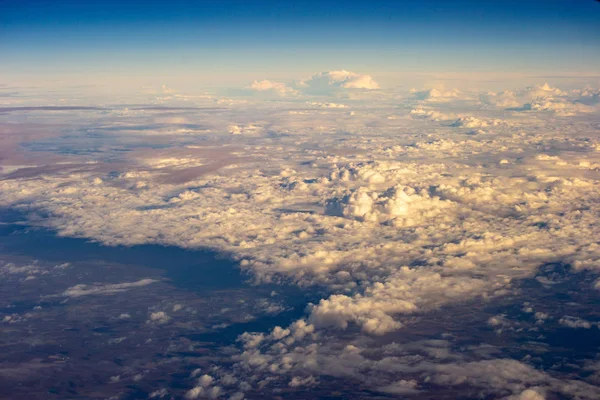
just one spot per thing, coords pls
(159, 317)
(574, 322)
(87, 290)
(159, 394)
(302, 382)
(544, 98)
(249, 129)
(506, 99)
(405, 292)
(541, 92)
(472, 122)
(271, 86)
(432, 115)
(528, 394)
(561, 107)
(327, 105)
(401, 387)
(393, 218)
(339, 79)
(323, 82)
(436, 94)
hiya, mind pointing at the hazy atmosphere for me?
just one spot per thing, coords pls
(300, 200)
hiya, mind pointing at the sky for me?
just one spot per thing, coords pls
(228, 42)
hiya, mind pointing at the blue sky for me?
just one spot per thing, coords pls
(228, 39)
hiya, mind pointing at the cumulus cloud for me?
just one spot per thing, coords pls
(432, 115)
(561, 107)
(528, 394)
(342, 79)
(436, 94)
(397, 206)
(544, 98)
(423, 365)
(159, 317)
(506, 99)
(249, 129)
(401, 387)
(405, 292)
(574, 322)
(320, 83)
(541, 91)
(472, 122)
(273, 87)
(327, 105)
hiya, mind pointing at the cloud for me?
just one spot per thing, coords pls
(506, 99)
(405, 292)
(327, 105)
(541, 92)
(159, 317)
(422, 365)
(321, 83)
(560, 107)
(574, 322)
(87, 290)
(472, 122)
(528, 394)
(326, 81)
(436, 94)
(271, 86)
(385, 221)
(159, 394)
(432, 115)
(204, 389)
(398, 206)
(244, 129)
(401, 387)
(544, 98)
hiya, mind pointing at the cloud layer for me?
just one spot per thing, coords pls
(389, 213)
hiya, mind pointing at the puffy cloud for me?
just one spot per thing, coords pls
(544, 98)
(472, 122)
(320, 83)
(432, 115)
(397, 206)
(401, 387)
(588, 96)
(559, 106)
(205, 380)
(270, 86)
(248, 129)
(159, 317)
(10, 271)
(506, 99)
(422, 366)
(436, 94)
(574, 322)
(528, 394)
(327, 105)
(339, 79)
(541, 91)
(298, 381)
(405, 292)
